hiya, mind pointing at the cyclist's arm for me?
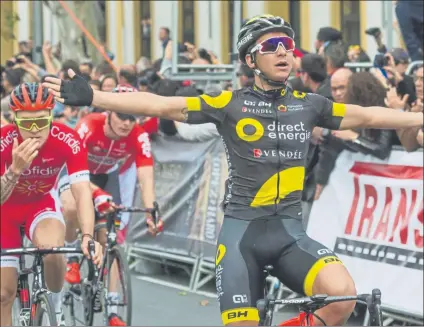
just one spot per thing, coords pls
(85, 209)
(8, 182)
(143, 103)
(194, 110)
(334, 115)
(379, 117)
(145, 178)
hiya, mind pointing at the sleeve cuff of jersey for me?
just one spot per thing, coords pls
(80, 176)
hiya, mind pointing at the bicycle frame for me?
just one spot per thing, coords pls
(27, 314)
(311, 304)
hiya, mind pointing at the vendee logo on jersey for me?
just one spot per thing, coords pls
(67, 138)
(8, 140)
(259, 153)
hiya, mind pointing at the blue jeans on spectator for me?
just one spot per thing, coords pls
(410, 18)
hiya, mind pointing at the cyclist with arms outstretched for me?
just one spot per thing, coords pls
(266, 130)
(33, 151)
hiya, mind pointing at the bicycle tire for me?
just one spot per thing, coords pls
(118, 253)
(44, 305)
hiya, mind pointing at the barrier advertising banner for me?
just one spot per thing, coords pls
(189, 183)
(371, 215)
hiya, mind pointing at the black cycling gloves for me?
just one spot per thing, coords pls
(76, 92)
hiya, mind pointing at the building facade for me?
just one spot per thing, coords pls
(132, 27)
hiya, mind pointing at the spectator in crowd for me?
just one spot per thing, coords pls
(246, 76)
(68, 64)
(142, 64)
(86, 68)
(409, 14)
(95, 84)
(339, 82)
(313, 73)
(164, 37)
(128, 75)
(355, 53)
(10, 78)
(330, 146)
(326, 36)
(335, 56)
(102, 69)
(411, 138)
(108, 82)
(365, 90)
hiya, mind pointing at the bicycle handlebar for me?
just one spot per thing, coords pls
(38, 251)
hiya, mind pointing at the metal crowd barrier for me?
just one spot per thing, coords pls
(361, 66)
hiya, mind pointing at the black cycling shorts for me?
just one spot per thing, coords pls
(246, 247)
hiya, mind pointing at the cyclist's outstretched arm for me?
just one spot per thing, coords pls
(78, 92)
(379, 117)
(142, 103)
(81, 192)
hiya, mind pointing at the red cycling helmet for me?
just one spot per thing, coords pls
(123, 88)
(31, 97)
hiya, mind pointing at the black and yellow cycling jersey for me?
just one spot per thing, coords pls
(266, 137)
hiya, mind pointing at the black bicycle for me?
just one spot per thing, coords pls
(32, 310)
(94, 288)
(310, 304)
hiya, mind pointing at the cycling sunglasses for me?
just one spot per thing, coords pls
(27, 124)
(125, 117)
(271, 45)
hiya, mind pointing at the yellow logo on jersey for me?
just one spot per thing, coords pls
(258, 133)
(299, 95)
(282, 108)
(291, 180)
(219, 101)
(220, 253)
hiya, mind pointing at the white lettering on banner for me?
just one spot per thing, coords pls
(213, 199)
(67, 138)
(376, 224)
(296, 132)
(8, 140)
(146, 147)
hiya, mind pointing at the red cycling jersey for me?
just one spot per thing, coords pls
(104, 154)
(63, 146)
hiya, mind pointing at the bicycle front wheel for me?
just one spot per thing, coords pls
(118, 284)
(45, 314)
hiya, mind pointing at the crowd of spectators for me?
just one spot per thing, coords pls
(322, 72)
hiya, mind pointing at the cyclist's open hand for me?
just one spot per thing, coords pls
(23, 154)
(98, 254)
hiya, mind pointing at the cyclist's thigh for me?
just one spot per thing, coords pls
(239, 278)
(10, 235)
(45, 226)
(300, 263)
(112, 186)
(9, 282)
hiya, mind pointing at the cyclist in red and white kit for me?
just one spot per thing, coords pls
(33, 151)
(111, 139)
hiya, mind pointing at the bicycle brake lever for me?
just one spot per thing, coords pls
(92, 251)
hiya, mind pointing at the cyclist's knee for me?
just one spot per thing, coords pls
(335, 280)
(8, 286)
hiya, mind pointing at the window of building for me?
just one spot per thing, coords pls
(146, 29)
(350, 21)
(188, 22)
